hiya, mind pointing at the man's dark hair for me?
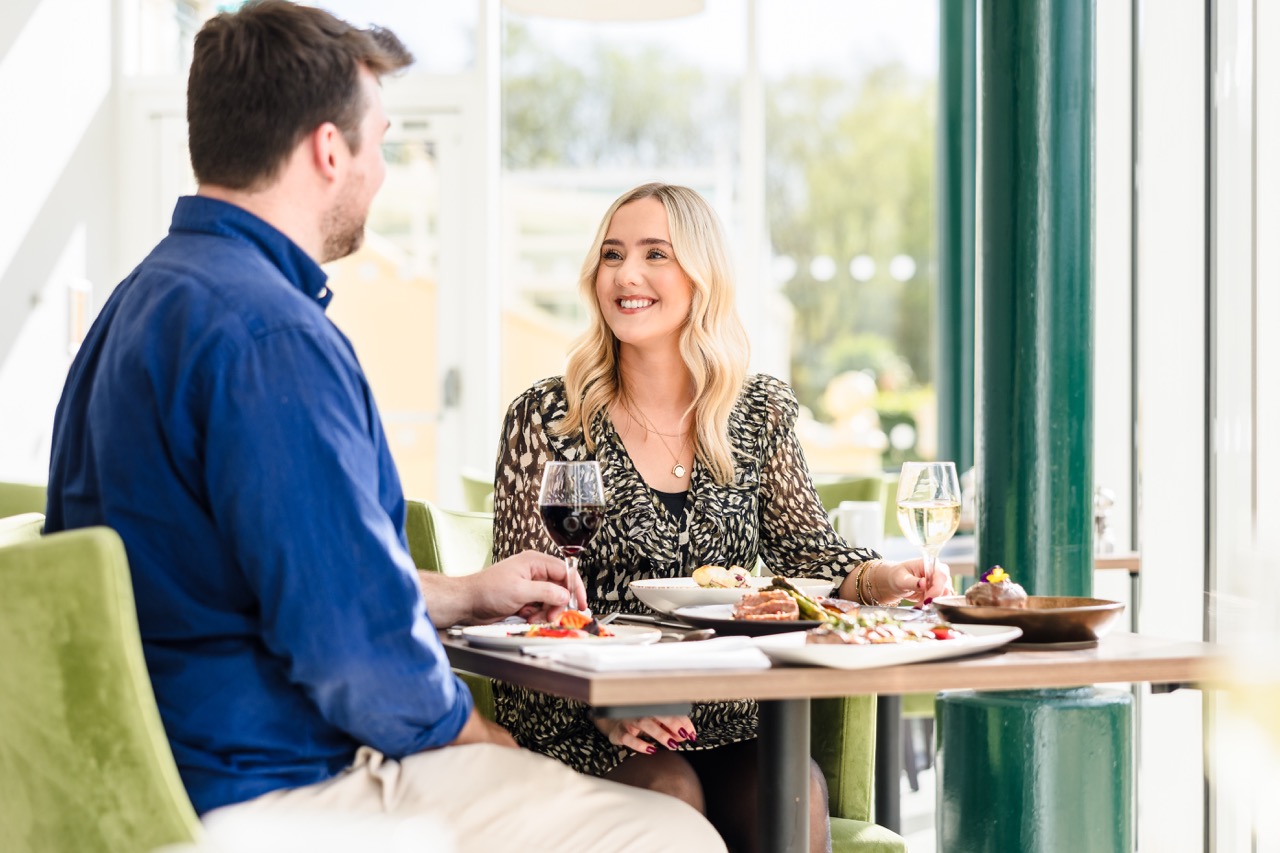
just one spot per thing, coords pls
(264, 77)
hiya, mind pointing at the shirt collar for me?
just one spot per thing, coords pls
(212, 216)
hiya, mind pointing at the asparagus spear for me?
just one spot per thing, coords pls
(810, 609)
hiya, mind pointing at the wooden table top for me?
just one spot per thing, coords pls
(1118, 657)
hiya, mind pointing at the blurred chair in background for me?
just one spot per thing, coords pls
(832, 492)
(477, 490)
(21, 497)
(86, 762)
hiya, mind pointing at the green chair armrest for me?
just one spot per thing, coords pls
(859, 836)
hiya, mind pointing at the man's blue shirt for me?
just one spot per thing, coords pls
(220, 423)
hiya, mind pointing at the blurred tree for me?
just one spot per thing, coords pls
(643, 107)
(850, 172)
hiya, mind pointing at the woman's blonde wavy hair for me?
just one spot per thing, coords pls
(712, 342)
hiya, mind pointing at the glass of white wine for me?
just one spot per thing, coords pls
(929, 508)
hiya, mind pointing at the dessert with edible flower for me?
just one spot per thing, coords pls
(996, 589)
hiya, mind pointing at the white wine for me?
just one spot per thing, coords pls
(929, 524)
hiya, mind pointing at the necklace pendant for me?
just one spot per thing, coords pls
(678, 470)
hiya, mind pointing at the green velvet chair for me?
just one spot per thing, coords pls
(86, 765)
(18, 498)
(832, 492)
(457, 543)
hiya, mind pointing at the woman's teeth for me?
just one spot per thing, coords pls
(635, 303)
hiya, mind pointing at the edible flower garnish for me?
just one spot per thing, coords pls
(995, 574)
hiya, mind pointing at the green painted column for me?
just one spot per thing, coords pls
(957, 212)
(1035, 404)
(1035, 771)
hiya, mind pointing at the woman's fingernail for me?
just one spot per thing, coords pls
(651, 749)
(693, 735)
(684, 734)
(671, 743)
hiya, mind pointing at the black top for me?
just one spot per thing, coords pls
(673, 501)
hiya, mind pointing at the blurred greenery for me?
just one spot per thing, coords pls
(849, 172)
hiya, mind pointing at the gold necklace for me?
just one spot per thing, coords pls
(677, 469)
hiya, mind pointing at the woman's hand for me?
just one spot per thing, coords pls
(646, 734)
(890, 582)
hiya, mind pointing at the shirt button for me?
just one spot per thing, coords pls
(324, 291)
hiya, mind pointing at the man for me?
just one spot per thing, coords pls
(221, 424)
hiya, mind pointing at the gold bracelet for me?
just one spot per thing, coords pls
(857, 580)
(866, 597)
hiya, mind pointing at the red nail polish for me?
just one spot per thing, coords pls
(651, 749)
(684, 734)
(672, 744)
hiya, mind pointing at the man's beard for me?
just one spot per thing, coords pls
(343, 229)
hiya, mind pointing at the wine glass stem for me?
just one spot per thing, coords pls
(571, 569)
(930, 566)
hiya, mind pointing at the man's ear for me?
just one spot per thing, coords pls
(327, 149)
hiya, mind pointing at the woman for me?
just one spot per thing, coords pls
(700, 464)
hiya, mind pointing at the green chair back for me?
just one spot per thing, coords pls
(843, 742)
(86, 762)
(18, 498)
(891, 526)
(870, 488)
(477, 490)
(25, 527)
(448, 541)
(453, 543)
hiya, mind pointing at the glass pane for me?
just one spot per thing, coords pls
(441, 35)
(850, 142)
(385, 301)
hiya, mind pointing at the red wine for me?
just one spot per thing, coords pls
(572, 526)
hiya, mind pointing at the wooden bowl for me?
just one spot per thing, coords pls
(1047, 618)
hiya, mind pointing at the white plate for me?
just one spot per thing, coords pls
(792, 648)
(510, 635)
(665, 595)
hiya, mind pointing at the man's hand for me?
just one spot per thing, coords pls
(479, 730)
(533, 586)
(530, 585)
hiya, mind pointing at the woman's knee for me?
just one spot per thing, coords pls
(817, 788)
(666, 773)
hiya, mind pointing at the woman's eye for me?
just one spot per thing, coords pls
(657, 255)
(611, 255)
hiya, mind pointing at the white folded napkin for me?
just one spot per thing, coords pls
(718, 653)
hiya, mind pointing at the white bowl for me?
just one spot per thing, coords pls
(666, 594)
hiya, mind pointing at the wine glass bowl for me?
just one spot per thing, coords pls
(928, 508)
(571, 503)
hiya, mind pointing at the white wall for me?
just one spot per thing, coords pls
(56, 222)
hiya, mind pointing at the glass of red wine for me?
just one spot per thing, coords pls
(571, 502)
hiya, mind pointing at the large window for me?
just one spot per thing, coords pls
(824, 136)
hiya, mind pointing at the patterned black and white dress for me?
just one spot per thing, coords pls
(770, 510)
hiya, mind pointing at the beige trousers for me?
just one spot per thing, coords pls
(492, 799)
